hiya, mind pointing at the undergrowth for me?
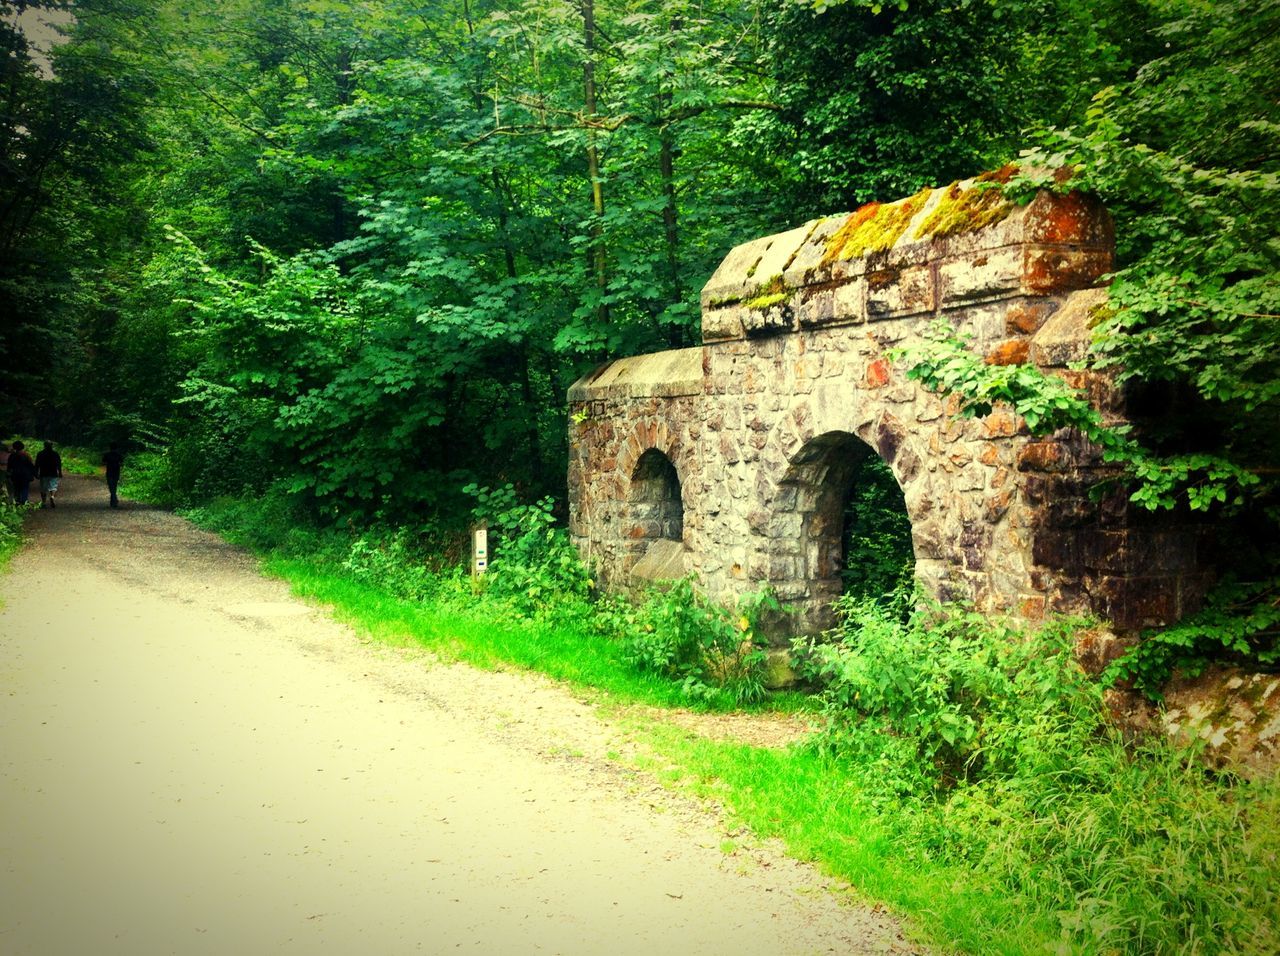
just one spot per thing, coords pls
(984, 746)
(10, 530)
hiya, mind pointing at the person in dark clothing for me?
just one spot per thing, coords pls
(113, 460)
(21, 470)
(49, 471)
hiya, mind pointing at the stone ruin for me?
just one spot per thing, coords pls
(732, 460)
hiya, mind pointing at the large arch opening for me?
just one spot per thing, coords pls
(877, 558)
(840, 525)
(655, 510)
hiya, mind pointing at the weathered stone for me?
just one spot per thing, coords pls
(1026, 318)
(892, 293)
(1009, 352)
(763, 431)
(989, 274)
(1049, 269)
(1097, 647)
(1073, 218)
(664, 560)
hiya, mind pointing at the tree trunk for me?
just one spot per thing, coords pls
(596, 252)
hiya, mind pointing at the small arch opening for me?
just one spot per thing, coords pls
(655, 510)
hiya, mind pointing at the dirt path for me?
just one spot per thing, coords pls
(195, 762)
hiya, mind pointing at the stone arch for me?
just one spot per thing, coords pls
(653, 502)
(804, 480)
(793, 368)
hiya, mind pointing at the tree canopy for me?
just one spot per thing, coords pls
(358, 250)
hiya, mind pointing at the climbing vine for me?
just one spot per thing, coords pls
(943, 363)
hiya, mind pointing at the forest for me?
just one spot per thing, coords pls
(357, 251)
(336, 262)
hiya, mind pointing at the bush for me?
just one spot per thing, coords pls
(986, 747)
(679, 633)
(10, 529)
(971, 696)
(533, 565)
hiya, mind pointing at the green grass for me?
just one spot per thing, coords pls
(10, 532)
(812, 803)
(80, 461)
(477, 636)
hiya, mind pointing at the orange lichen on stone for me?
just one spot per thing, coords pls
(968, 210)
(873, 228)
(1066, 219)
(1009, 352)
(877, 374)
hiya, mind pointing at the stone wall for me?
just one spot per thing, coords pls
(761, 425)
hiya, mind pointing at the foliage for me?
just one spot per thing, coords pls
(979, 745)
(673, 631)
(942, 363)
(534, 565)
(972, 698)
(715, 653)
(11, 517)
(879, 558)
(1199, 314)
(1240, 622)
(878, 103)
(395, 563)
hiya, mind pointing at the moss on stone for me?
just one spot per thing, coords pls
(968, 210)
(765, 301)
(873, 228)
(768, 294)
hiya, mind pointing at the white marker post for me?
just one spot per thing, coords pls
(479, 550)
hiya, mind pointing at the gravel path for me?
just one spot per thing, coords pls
(193, 761)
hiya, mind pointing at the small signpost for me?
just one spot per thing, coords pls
(479, 549)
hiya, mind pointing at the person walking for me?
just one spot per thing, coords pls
(49, 471)
(21, 470)
(113, 460)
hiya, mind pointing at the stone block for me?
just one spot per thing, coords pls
(1065, 336)
(1027, 316)
(1002, 423)
(1047, 456)
(1135, 551)
(877, 374)
(1050, 269)
(806, 266)
(997, 506)
(1059, 550)
(897, 292)
(737, 273)
(1074, 218)
(1134, 603)
(986, 274)
(663, 560)
(815, 306)
(768, 319)
(929, 539)
(723, 323)
(1008, 352)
